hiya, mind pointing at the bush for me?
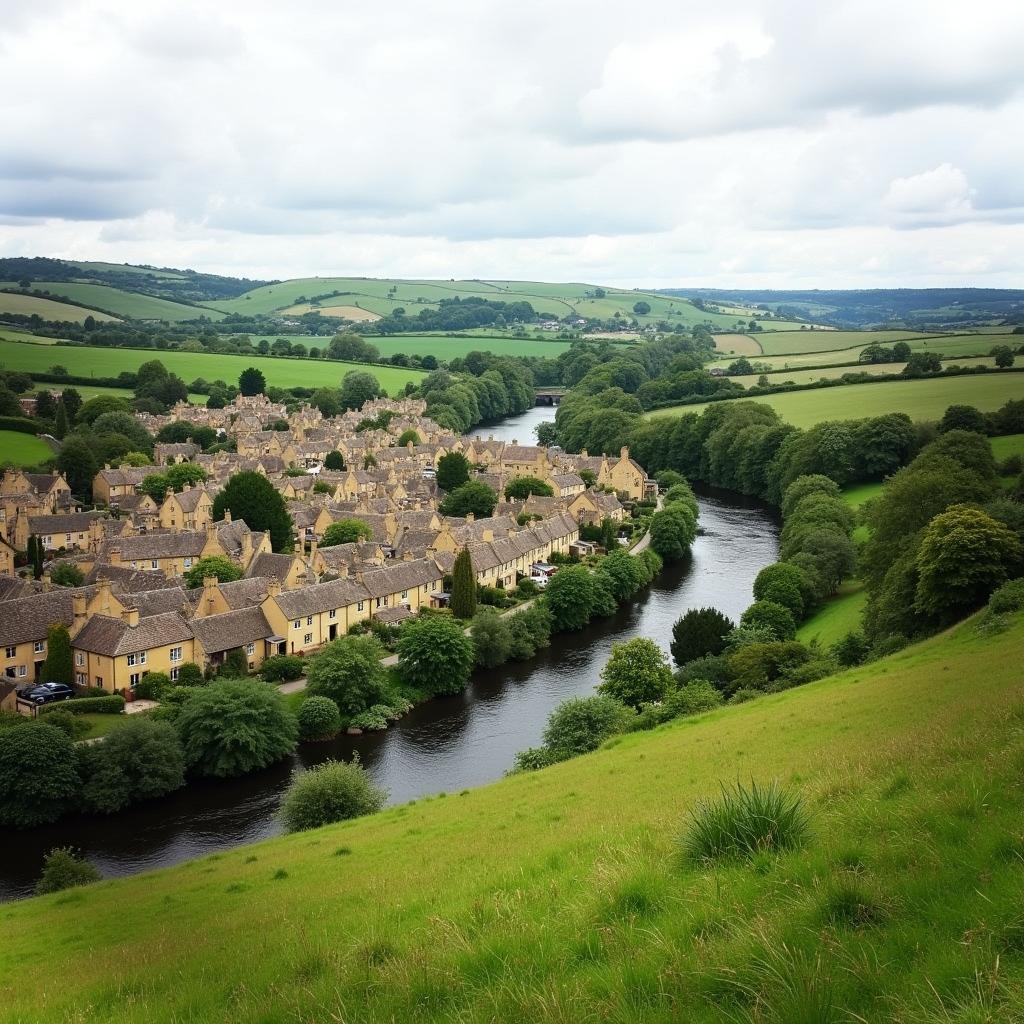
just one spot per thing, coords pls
(712, 667)
(701, 631)
(141, 760)
(111, 704)
(333, 791)
(190, 674)
(852, 649)
(373, 719)
(152, 685)
(772, 615)
(636, 673)
(319, 719)
(64, 869)
(492, 638)
(234, 726)
(570, 597)
(527, 588)
(348, 671)
(435, 655)
(582, 724)
(691, 699)
(532, 758)
(69, 724)
(529, 631)
(1007, 598)
(38, 774)
(744, 821)
(782, 583)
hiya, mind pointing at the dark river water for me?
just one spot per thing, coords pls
(443, 746)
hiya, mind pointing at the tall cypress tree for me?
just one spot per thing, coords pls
(252, 497)
(35, 556)
(58, 666)
(463, 599)
(60, 423)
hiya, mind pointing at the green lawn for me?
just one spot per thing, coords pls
(109, 362)
(23, 449)
(837, 617)
(126, 304)
(48, 309)
(562, 896)
(1007, 445)
(100, 725)
(923, 399)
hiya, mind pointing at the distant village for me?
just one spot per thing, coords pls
(135, 614)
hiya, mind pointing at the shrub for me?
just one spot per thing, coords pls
(64, 869)
(373, 719)
(636, 673)
(234, 726)
(67, 574)
(463, 590)
(282, 668)
(772, 615)
(532, 758)
(852, 649)
(782, 583)
(348, 671)
(330, 792)
(582, 724)
(744, 821)
(69, 724)
(57, 667)
(435, 655)
(492, 638)
(570, 597)
(701, 631)
(319, 718)
(38, 774)
(190, 674)
(527, 588)
(111, 704)
(712, 667)
(693, 698)
(1007, 598)
(152, 685)
(141, 760)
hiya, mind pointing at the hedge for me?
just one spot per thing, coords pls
(112, 704)
(23, 426)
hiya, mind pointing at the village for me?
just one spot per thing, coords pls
(134, 613)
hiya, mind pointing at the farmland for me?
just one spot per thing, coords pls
(562, 895)
(838, 616)
(120, 302)
(109, 362)
(48, 309)
(23, 449)
(923, 399)
(805, 376)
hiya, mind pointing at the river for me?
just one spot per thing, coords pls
(443, 746)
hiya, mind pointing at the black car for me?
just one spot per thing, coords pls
(46, 693)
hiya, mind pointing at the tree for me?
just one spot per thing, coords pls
(349, 672)
(252, 382)
(1003, 356)
(452, 471)
(65, 869)
(345, 531)
(900, 352)
(330, 792)
(473, 497)
(223, 569)
(253, 498)
(921, 363)
(67, 574)
(523, 486)
(60, 423)
(235, 726)
(782, 583)
(463, 596)
(36, 553)
(58, 667)
(673, 530)
(964, 555)
(582, 724)
(700, 632)
(141, 760)
(184, 474)
(624, 573)
(435, 655)
(154, 486)
(77, 464)
(358, 388)
(334, 460)
(319, 719)
(636, 673)
(408, 437)
(773, 616)
(38, 774)
(492, 638)
(963, 417)
(641, 308)
(72, 402)
(571, 598)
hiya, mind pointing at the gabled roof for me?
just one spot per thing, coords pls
(231, 629)
(103, 634)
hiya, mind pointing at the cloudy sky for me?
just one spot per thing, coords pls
(743, 144)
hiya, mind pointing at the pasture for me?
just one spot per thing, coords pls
(125, 304)
(838, 616)
(737, 345)
(831, 372)
(922, 399)
(23, 449)
(443, 346)
(109, 362)
(779, 343)
(563, 895)
(48, 309)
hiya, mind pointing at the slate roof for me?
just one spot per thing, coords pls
(321, 597)
(26, 619)
(231, 629)
(74, 522)
(272, 564)
(103, 634)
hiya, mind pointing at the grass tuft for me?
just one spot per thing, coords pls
(848, 901)
(745, 821)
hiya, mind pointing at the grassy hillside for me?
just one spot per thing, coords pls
(924, 399)
(562, 895)
(121, 302)
(109, 362)
(23, 449)
(48, 309)
(806, 376)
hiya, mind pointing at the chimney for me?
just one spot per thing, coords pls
(246, 548)
(79, 603)
(407, 555)
(624, 452)
(131, 616)
(115, 556)
(273, 587)
(342, 570)
(312, 549)
(470, 517)
(488, 535)
(227, 515)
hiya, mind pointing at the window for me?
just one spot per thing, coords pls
(187, 563)
(133, 680)
(175, 656)
(80, 678)
(154, 564)
(175, 672)
(79, 658)
(296, 624)
(99, 680)
(11, 652)
(39, 646)
(131, 659)
(22, 671)
(308, 638)
(359, 606)
(250, 649)
(333, 613)
(378, 603)
(67, 538)
(405, 594)
(309, 620)
(142, 658)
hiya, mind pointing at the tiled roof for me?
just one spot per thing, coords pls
(28, 618)
(321, 597)
(103, 634)
(231, 629)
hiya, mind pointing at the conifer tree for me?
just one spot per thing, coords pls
(58, 666)
(463, 599)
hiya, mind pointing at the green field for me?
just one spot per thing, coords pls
(562, 896)
(791, 342)
(109, 362)
(23, 449)
(837, 617)
(922, 399)
(861, 494)
(48, 309)
(88, 391)
(831, 372)
(443, 346)
(125, 304)
(1007, 445)
(24, 336)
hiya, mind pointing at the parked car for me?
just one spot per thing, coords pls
(46, 693)
(540, 579)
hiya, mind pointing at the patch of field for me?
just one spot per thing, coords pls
(837, 617)
(793, 342)
(25, 337)
(831, 372)
(737, 345)
(81, 360)
(924, 399)
(442, 346)
(88, 391)
(1007, 445)
(48, 309)
(23, 449)
(126, 304)
(860, 494)
(563, 895)
(348, 312)
(125, 268)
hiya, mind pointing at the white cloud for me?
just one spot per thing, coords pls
(752, 142)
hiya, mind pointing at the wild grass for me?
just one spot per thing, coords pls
(560, 895)
(23, 449)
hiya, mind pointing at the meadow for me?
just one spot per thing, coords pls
(810, 374)
(920, 399)
(122, 303)
(838, 616)
(443, 346)
(48, 309)
(23, 449)
(564, 896)
(109, 362)
(794, 342)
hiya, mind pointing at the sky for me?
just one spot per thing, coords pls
(741, 143)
